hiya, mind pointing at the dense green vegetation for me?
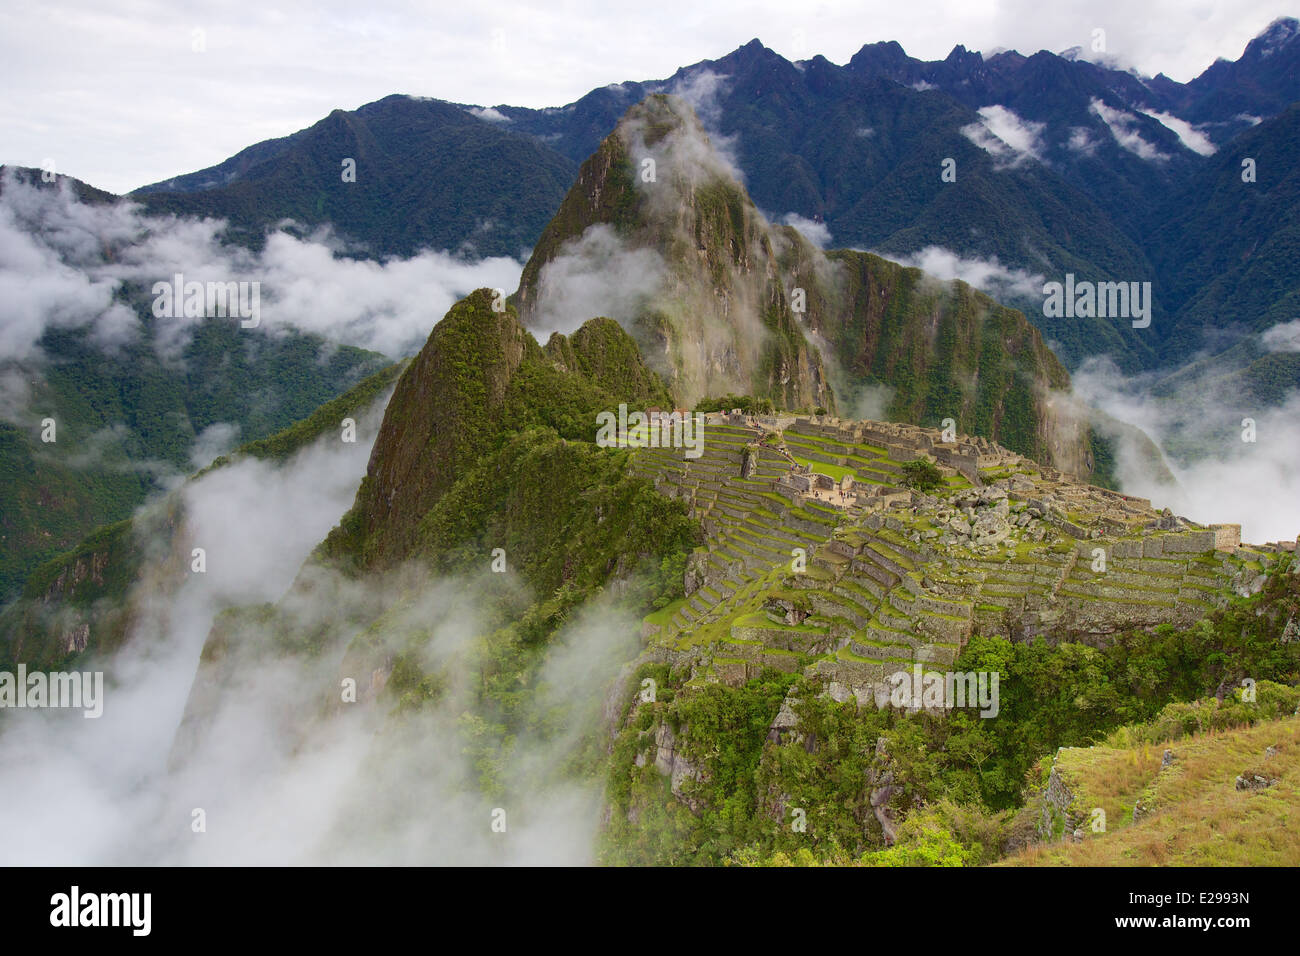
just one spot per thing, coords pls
(971, 359)
(959, 777)
(479, 381)
(128, 418)
(90, 582)
(921, 474)
(502, 436)
(429, 175)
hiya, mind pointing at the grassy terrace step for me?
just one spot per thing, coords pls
(1109, 582)
(877, 549)
(817, 518)
(877, 631)
(759, 545)
(1017, 572)
(735, 544)
(881, 652)
(1105, 591)
(1083, 572)
(890, 617)
(811, 578)
(836, 605)
(867, 584)
(929, 603)
(1011, 589)
(901, 545)
(732, 555)
(773, 528)
(1197, 589)
(797, 441)
(1118, 599)
(832, 560)
(745, 502)
(845, 654)
(866, 565)
(863, 595)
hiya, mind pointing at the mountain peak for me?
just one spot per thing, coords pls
(1274, 37)
(659, 234)
(960, 55)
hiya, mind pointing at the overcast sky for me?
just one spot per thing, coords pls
(114, 91)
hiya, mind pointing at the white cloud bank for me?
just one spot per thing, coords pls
(1191, 136)
(62, 262)
(987, 275)
(1124, 127)
(818, 233)
(1006, 137)
(1253, 483)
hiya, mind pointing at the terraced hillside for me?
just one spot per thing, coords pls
(819, 559)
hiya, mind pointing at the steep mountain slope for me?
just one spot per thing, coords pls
(86, 602)
(479, 379)
(863, 154)
(751, 702)
(1064, 166)
(1200, 785)
(1230, 239)
(661, 207)
(486, 454)
(722, 302)
(1262, 82)
(762, 673)
(427, 175)
(127, 422)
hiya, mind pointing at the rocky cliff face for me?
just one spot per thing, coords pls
(658, 233)
(480, 377)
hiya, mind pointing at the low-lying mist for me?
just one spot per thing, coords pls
(282, 770)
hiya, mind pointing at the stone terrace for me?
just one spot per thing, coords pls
(816, 558)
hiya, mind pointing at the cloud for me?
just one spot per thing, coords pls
(1005, 136)
(1124, 127)
(702, 88)
(44, 282)
(216, 440)
(818, 233)
(1221, 478)
(91, 789)
(1283, 337)
(1081, 141)
(491, 114)
(1191, 136)
(64, 263)
(701, 325)
(261, 742)
(596, 274)
(988, 275)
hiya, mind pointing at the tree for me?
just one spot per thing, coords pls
(921, 474)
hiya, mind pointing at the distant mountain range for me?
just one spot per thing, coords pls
(1062, 166)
